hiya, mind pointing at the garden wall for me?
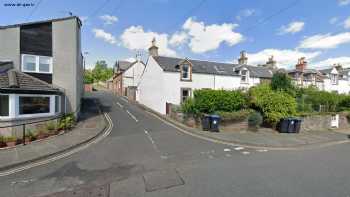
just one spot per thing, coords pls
(322, 122)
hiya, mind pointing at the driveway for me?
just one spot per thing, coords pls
(144, 156)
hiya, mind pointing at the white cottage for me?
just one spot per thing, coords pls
(172, 80)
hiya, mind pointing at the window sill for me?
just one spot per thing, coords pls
(186, 80)
(48, 73)
(28, 117)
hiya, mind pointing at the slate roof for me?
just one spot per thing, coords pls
(13, 80)
(307, 71)
(326, 71)
(42, 21)
(170, 64)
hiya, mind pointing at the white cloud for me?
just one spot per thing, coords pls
(292, 28)
(205, 38)
(109, 19)
(285, 58)
(83, 19)
(130, 59)
(325, 41)
(347, 23)
(333, 20)
(135, 38)
(107, 37)
(343, 2)
(245, 13)
(178, 38)
(344, 61)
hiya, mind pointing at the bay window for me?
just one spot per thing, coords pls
(34, 104)
(4, 105)
(36, 64)
(13, 106)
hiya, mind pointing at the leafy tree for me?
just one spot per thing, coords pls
(282, 82)
(88, 77)
(101, 72)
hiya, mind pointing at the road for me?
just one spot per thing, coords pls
(144, 156)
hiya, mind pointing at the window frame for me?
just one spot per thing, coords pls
(37, 64)
(181, 94)
(334, 79)
(246, 76)
(189, 72)
(14, 107)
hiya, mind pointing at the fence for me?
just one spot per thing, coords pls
(25, 132)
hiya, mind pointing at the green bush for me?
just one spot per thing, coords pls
(344, 103)
(209, 101)
(234, 116)
(67, 122)
(321, 101)
(274, 105)
(255, 120)
(189, 107)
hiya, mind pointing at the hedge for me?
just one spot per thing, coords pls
(210, 101)
(274, 105)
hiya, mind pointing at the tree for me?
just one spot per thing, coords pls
(282, 82)
(88, 77)
(101, 72)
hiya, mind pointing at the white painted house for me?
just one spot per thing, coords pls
(127, 76)
(334, 79)
(172, 80)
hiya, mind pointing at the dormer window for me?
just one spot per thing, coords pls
(186, 72)
(244, 76)
(334, 79)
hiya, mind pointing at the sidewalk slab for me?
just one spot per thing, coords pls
(91, 117)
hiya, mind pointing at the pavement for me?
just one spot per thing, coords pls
(144, 156)
(90, 125)
(265, 138)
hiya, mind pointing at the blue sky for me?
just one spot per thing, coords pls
(203, 29)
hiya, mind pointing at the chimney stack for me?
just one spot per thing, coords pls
(271, 63)
(301, 66)
(153, 50)
(243, 59)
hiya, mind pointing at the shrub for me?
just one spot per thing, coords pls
(321, 101)
(344, 103)
(51, 126)
(67, 122)
(255, 119)
(209, 101)
(273, 105)
(10, 139)
(189, 107)
(234, 116)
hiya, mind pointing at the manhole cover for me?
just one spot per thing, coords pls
(102, 191)
(162, 180)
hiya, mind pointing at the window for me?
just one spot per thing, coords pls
(244, 76)
(34, 105)
(57, 104)
(29, 63)
(4, 105)
(185, 93)
(44, 64)
(185, 72)
(36, 64)
(334, 79)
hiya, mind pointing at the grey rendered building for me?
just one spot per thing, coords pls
(41, 69)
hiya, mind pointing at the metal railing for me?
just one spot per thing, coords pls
(45, 127)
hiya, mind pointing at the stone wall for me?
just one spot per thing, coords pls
(322, 122)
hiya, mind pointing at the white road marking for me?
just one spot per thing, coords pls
(245, 153)
(239, 148)
(120, 105)
(210, 156)
(63, 155)
(261, 150)
(227, 150)
(154, 144)
(132, 116)
(124, 99)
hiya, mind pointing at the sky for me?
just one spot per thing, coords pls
(215, 30)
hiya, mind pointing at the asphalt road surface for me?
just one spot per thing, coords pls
(144, 156)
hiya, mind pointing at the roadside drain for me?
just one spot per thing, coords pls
(102, 191)
(159, 180)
